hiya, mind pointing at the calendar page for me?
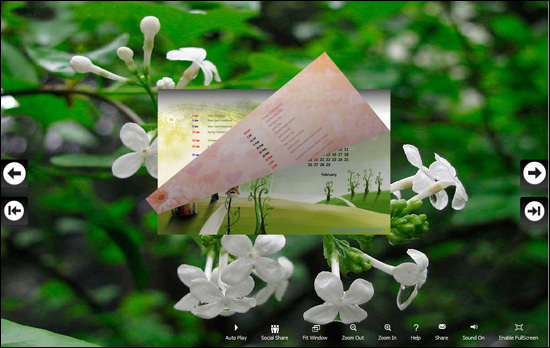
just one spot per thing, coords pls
(343, 192)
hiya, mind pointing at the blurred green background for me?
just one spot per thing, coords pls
(469, 81)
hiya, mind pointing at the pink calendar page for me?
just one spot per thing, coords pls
(315, 113)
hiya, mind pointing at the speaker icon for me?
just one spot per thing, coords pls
(474, 326)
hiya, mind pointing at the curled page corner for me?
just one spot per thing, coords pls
(315, 113)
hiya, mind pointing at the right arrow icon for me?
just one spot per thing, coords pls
(535, 172)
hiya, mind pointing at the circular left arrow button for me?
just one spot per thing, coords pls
(14, 173)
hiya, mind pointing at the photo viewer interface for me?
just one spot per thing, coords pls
(274, 173)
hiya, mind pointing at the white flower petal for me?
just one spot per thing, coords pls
(151, 163)
(287, 265)
(419, 257)
(241, 289)
(188, 273)
(422, 277)
(421, 181)
(267, 245)
(447, 164)
(441, 172)
(154, 147)
(413, 155)
(208, 68)
(192, 54)
(205, 291)
(134, 137)
(187, 303)
(439, 200)
(407, 273)
(208, 311)
(207, 74)
(264, 294)
(460, 198)
(209, 65)
(351, 313)
(269, 270)
(359, 292)
(127, 165)
(237, 245)
(405, 296)
(280, 290)
(329, 287)
(226, 313)
(321, 314)
(237, 271)
(240, 305)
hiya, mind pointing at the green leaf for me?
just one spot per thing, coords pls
(83, 161)
(15, 64)
(106, 54)
(58, 61)
(13, 84)
(266, 71)
(15, 335)
(363, 12)
(179, 26)
(48, 109)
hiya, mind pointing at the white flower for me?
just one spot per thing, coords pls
(196, 55)
(217, 299)
(423, 179)
(277, 288)
(84, 65)
(253, 258)
(166, 83)
(411, 277)
(135, 138)
(187, 274)
(149, 26)
(329, 288)
(127, 55)
(442, 170)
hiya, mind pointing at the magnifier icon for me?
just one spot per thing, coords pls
(352, 327)
(387, 327)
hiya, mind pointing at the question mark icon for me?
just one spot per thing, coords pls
(416, 326)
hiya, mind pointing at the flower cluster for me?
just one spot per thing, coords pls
(150, 26)
(432, 181)
(135, 138)
(226, 289)
(344, 306)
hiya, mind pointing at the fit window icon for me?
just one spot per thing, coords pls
(274, 329)
(14, 211)
(14, 173)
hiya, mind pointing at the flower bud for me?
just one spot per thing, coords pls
(150, 26)
(82, 64)
(166, 83)
(126, 54)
